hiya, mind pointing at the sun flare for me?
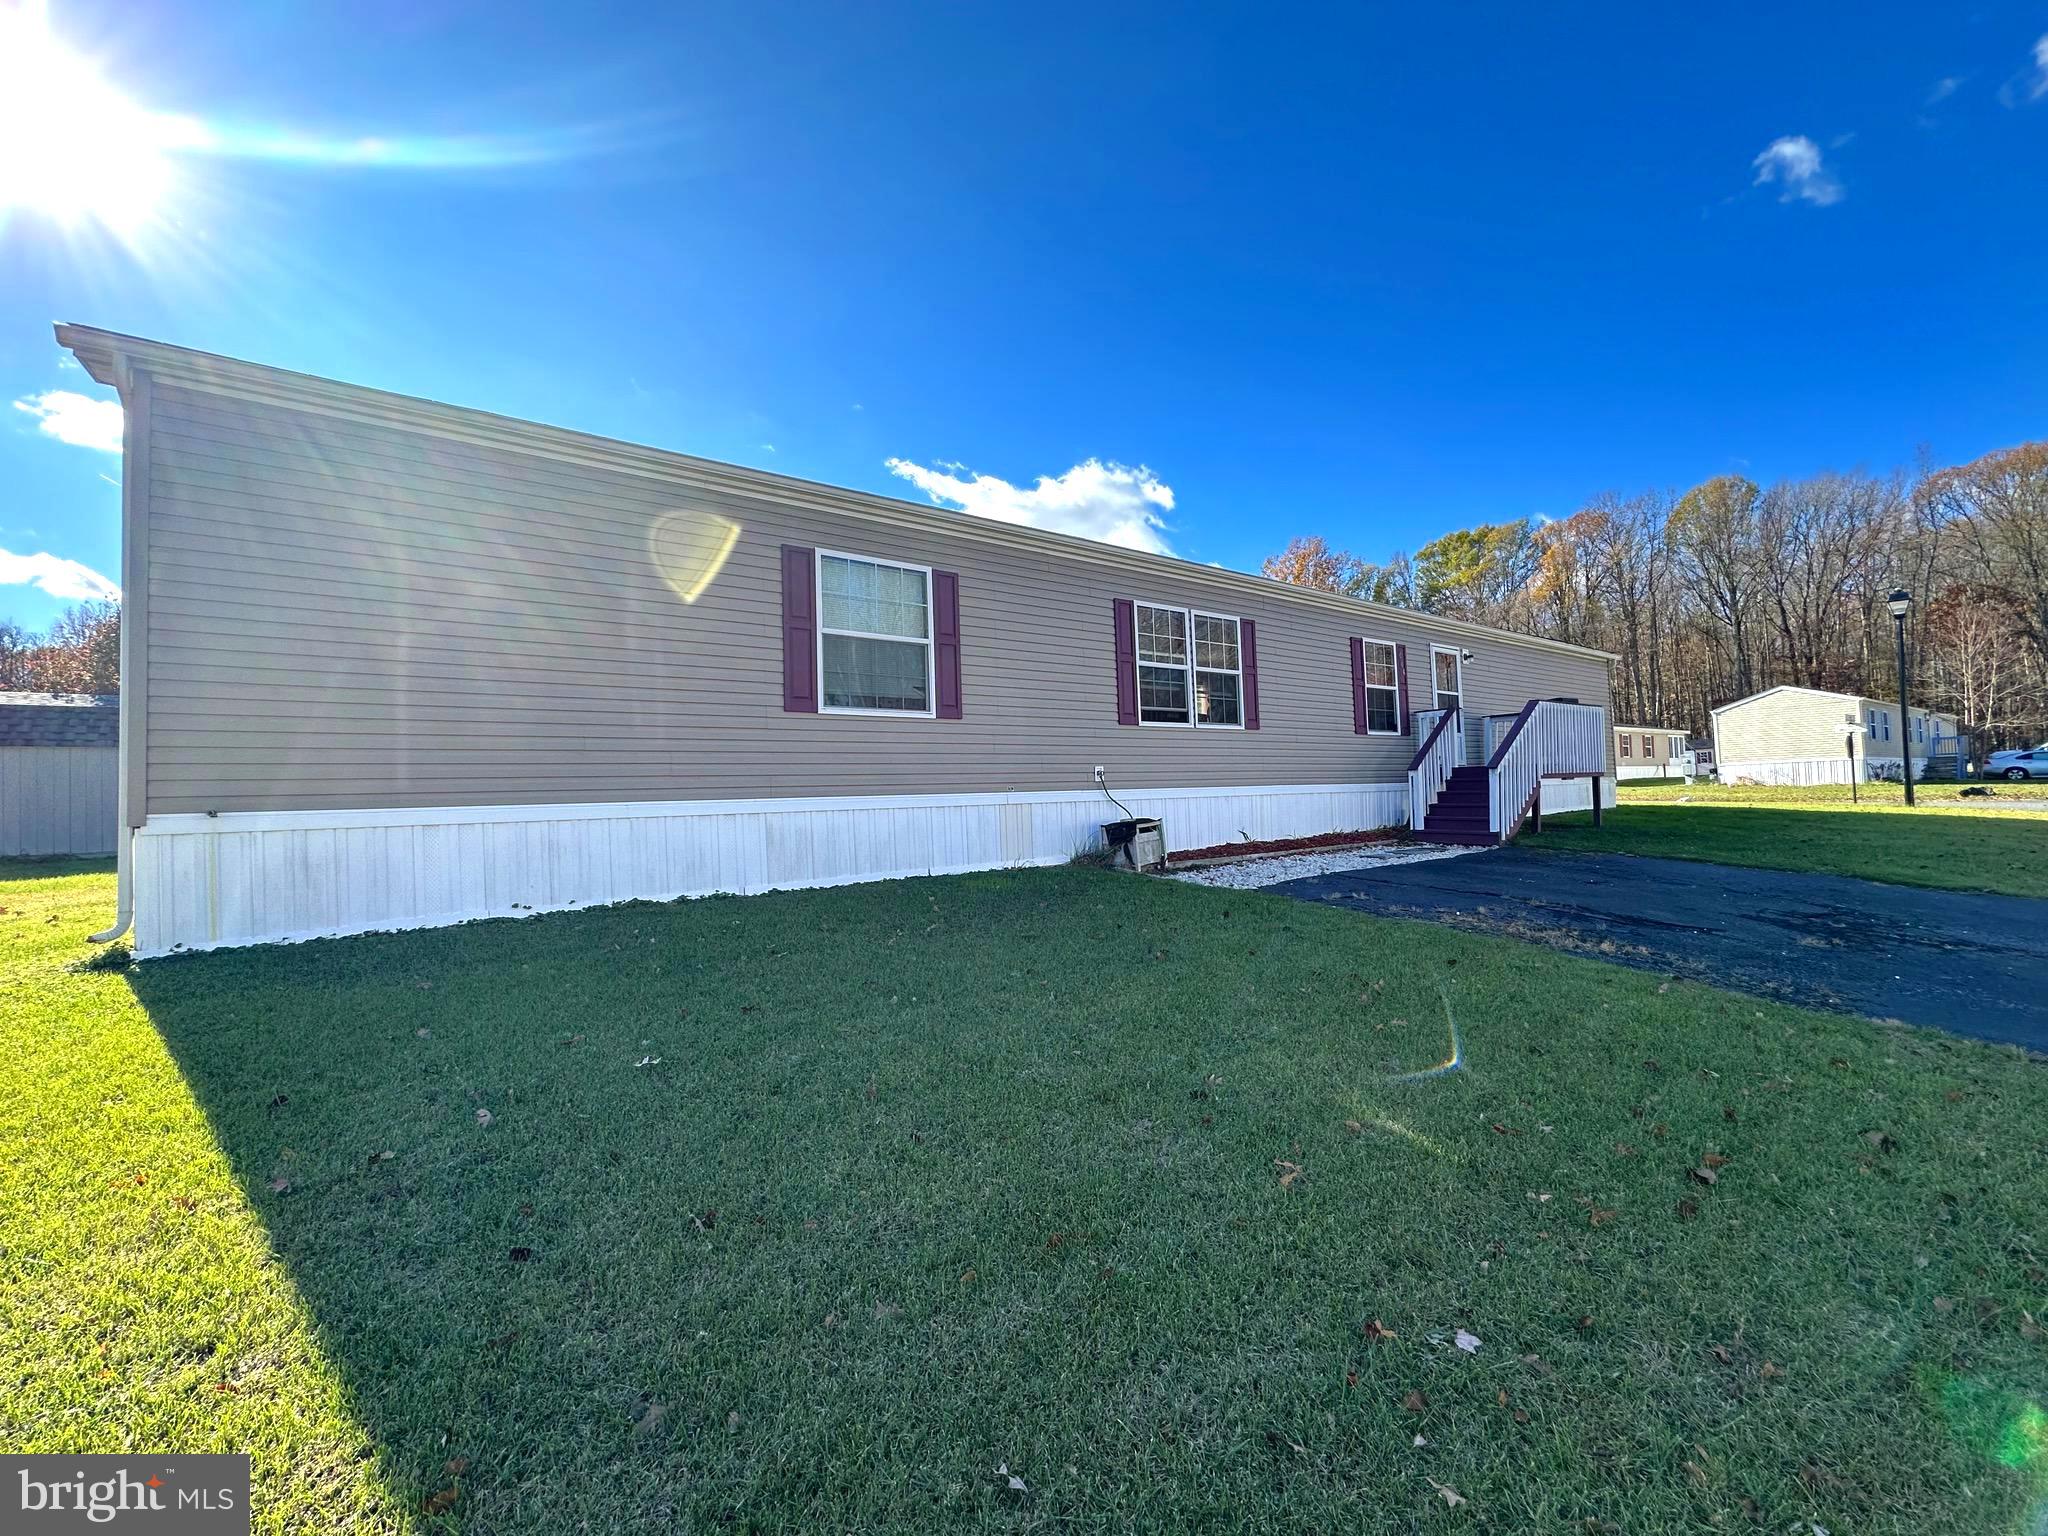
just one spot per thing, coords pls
(73, 149)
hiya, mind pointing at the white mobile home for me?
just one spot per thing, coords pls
(1793, 735)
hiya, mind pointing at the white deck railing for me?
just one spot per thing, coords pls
(1547, 740)
(1443, 748)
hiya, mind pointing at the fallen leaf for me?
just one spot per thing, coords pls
(967, 1278)
(1696, 1473)
(381, 1157)
(705, 1222)
(1720, 1353)
(423, 1033)
(455, 1466)
(1943, 1304)
(280, 1186)
(1600, 1215)
(2030, 1330)
(732, 1420)
(484, 1117)
(1501, 1397)
(1012, 1483)
(1715, 1160)
(1289, 1172)
(1420, 1442)
(1468, 1342)
(1660, 1130)
(1375, 1331)
(440, 1503)
(1450, 1495)
(1521, 1415)
(1416, 1402)
(1351, 1378)
(1687, 1209)
(1623, 1149)
(1770, 1371)
(1585, 1323)
(1882, 1140)
(1705, 1176)
(1353, 1127)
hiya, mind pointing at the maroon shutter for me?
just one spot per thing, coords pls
(1126, 662)
(1248, 658)
(1357, 686)
(946, 639)
(1401, 688)
(799, 630)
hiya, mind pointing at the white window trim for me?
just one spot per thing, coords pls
(930, 642)
(1400, 725)
(1138, 664)
(1458, 661)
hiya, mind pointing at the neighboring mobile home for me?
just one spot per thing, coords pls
(390, 664)
(1648, 752)
(1791, 735)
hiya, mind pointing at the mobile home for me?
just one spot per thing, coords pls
(391, 663)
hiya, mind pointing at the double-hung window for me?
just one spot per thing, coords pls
(1382, 689)
(1628, 743)
(1190, 667)
(874, 635)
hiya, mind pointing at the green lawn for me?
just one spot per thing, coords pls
(808, 1211)
(1944, 841)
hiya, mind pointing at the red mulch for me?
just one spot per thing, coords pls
(1323, 840)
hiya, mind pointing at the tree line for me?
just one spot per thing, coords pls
(79, 653)
(1732, 587)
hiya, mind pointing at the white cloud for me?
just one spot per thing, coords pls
(77, 419)
(57, 576)
(1942, 89)
(1794, 165)
(1111, 502)
(2030, 84)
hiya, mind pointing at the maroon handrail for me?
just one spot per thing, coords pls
(1422, 752)
(1514, 730)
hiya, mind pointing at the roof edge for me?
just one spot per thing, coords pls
(109, 356)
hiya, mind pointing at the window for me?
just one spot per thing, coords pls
(874, 636)
(1382, 690)
(1649, 746)
(1872, 715)
(1190, 667)
(1448, 673)
(1628, 744)
(1919, 727)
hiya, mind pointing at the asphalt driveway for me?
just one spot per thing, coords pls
(1973, 964)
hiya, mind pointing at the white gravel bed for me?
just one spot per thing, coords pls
(1271, 869)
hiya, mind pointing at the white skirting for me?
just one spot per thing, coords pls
(1576, 794)
(207, 882)
(1649, 771)
(1813, 770)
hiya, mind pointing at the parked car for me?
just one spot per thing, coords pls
(2020, 763)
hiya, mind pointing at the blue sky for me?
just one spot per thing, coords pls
(1375, 275)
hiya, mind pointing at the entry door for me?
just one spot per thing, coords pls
(1448, 673)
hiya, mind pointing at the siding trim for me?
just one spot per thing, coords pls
(134, 637)
(1401, 688)
(1358, 686)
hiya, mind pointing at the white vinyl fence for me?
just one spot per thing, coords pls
(58, 800)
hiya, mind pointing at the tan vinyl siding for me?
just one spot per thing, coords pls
(347, 613)
(1661, 739)
(1788, 724)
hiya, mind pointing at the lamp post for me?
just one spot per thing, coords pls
(1901, 604)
